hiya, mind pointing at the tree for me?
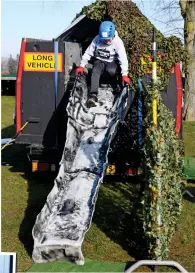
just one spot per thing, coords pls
(12, 65)
(17, 58)
(179, 18)
(4, 65)
(188, 14)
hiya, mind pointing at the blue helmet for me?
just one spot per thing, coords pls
(106, 30)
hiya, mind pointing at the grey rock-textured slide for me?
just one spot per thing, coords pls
(61, 225)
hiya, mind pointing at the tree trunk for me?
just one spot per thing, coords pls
(188, 13)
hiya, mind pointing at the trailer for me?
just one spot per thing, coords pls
(45, 79)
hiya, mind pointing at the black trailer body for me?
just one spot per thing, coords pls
(43, 88)
(42, 91)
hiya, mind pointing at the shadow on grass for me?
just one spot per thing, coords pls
(39, 186)
(8, 132)
(118, 215)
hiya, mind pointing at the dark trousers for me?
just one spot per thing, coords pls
(100, 68)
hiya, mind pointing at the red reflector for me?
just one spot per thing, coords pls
(43, 166)
(132, 171)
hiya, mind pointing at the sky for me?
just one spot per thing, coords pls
(46, 19)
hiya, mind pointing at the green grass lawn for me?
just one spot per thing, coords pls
(189, 138)
(112, 233)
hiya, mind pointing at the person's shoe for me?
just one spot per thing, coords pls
(91, 102)
(116, 90)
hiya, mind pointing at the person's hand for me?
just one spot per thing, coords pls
(79, 70)
(125, 79)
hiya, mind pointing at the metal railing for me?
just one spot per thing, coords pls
(156, 263)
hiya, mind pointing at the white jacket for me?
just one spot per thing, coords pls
(107, 53)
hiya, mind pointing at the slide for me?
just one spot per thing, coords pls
(61, 225)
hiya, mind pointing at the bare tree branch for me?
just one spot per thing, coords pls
(168, 14)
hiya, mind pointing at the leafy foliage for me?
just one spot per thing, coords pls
(163, 176)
